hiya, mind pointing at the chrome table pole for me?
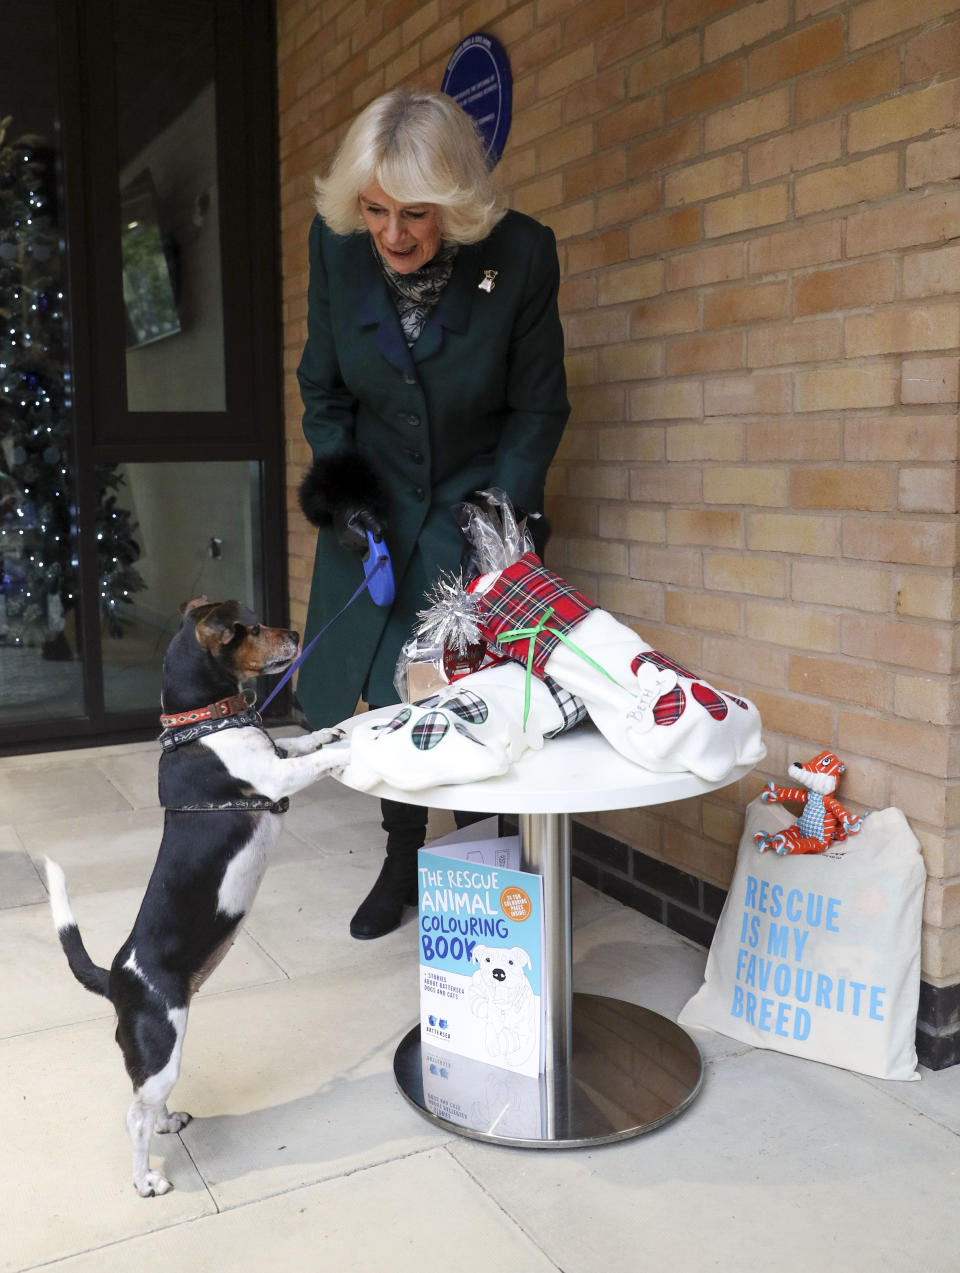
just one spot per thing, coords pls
(545, 851)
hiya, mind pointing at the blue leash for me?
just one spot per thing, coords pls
(376, 563)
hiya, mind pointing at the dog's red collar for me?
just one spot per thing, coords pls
(213, 711)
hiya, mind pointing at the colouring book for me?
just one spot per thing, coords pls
(480, 928)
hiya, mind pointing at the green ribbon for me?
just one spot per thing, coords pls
(531, 634)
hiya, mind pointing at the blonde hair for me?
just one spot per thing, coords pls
(419, 148)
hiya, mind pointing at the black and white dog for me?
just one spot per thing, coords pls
(223, 784)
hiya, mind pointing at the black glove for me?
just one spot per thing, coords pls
(537, 525)
(351, 523)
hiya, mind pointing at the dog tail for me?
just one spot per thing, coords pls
(81, 965)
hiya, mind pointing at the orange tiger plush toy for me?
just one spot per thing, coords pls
(824, 820)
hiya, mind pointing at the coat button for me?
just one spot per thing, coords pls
(417, 494)
(409, 380)
(416, 456)
(411, 419)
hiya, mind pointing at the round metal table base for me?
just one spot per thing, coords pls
(632, 1071)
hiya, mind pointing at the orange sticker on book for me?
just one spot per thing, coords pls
(516, 904)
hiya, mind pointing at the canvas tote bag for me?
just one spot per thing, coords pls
(819, 955)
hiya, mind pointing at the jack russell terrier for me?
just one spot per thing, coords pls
(223, 784)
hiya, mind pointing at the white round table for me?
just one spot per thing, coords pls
(613, 1069)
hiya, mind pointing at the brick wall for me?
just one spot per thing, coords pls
(754, 205)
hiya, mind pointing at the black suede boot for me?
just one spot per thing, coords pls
(381, 910)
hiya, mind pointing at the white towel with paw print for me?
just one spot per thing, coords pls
(470, 730)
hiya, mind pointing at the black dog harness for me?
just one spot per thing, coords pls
(202, 725)
(247, 804)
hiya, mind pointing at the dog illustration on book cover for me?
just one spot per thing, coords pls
(501, 995)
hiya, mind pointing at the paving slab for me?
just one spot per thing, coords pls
(65, 1170)
(36, 793)
(779, 1164)
(302, 1139)
(55, 760)
(587, 904)
(98, 851)
(329, 815)
(324, 843)
(39, 991)
(319, 813)
(19, 882)
(629, 956)
(293, 1083)
(423, 1212)
(301, 918)
(937, 1096)
(134, 774)
(117, 850)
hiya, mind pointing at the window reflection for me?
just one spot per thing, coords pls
(179, 530)
(169, 231)
(151, 267)
(39, 674)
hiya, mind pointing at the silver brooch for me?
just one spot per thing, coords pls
(487, 284)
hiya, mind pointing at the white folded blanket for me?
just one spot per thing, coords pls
(470, 730)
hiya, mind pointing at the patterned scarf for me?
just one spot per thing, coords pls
(415, 295)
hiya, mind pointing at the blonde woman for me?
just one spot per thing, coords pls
(433, 368)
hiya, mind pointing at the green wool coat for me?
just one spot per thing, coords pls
(479, 400)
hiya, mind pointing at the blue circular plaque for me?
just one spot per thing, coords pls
(478, 78)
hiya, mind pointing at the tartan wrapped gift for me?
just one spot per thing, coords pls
(650, 708)
(527, 595)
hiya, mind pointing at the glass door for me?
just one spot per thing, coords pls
(140, 353)
(41, 670)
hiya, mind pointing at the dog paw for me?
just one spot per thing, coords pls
(327, 762)
(152, 1185)
(323, 736)
(171, 1122)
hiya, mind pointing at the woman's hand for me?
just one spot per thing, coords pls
(351, 523)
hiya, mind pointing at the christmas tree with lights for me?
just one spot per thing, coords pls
(38, 560)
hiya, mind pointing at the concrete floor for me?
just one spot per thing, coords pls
(303, 1154)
